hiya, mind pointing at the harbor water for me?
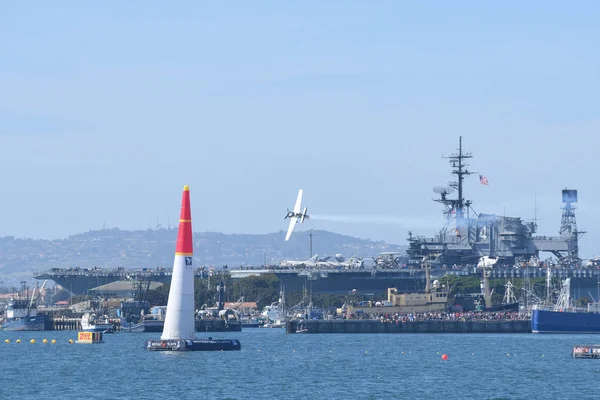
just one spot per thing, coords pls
(273, 365)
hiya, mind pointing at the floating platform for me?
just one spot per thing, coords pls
(586, 351)
(89, 337)
(209, 344)
(431, 326)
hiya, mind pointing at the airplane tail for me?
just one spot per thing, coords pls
(304, 215)
(314, 258)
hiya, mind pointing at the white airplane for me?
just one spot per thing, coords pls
(311, 262)
(295, 215)
(352, 262)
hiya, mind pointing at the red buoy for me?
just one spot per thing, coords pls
(444, 357)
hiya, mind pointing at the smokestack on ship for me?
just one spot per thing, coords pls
(179, 332)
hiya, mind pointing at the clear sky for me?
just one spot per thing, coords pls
(109, 108)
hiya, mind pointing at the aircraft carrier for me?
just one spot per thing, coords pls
(465, 237)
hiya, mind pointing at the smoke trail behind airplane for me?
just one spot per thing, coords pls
(407, 222)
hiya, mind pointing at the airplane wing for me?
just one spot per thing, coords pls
(290, 228)
(298, 201)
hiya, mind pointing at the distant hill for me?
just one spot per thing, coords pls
(151, 248)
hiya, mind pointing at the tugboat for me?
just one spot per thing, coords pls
(22, 315)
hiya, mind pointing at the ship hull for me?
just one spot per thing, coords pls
(546, 321)
(333, 281)
(362, 281)
(37, 323)
(129, 327)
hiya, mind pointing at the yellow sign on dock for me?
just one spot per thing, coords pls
(89, 337)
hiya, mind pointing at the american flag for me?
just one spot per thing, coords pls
(483, 180)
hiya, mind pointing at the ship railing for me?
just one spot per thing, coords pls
(105, 272)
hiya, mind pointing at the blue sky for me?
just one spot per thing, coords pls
(108, 109)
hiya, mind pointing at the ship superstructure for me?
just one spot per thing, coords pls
(467, 235)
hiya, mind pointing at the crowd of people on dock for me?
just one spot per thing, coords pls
(451, 316)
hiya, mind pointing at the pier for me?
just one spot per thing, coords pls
(431, 326)
(65, 324)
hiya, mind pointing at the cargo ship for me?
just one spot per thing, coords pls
(563, 317)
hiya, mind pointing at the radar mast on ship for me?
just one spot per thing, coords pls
(455, 209)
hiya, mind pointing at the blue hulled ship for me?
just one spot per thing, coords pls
(26, 323)
(563, 317)
(21, 314)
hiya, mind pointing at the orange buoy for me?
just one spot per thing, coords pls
(444, 357)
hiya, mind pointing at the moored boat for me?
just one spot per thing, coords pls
(22, 315)
(27, 323)
(563, 317)
(91, 323)
(131, 326)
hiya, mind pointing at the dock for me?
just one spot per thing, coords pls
(586, 351)
(64, 324)
(430, 326)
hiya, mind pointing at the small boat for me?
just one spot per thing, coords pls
(275, 314)
(271, 324)
(252, 322)
(302, 329)
(155, 321)
(90, 323)
(131, 313)
(131, 326)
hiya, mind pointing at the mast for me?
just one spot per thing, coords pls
(548, 284)
(509, 296)
(427, 277)
(221, 298)
(35, 287)
(455, 207)
(457, 160)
